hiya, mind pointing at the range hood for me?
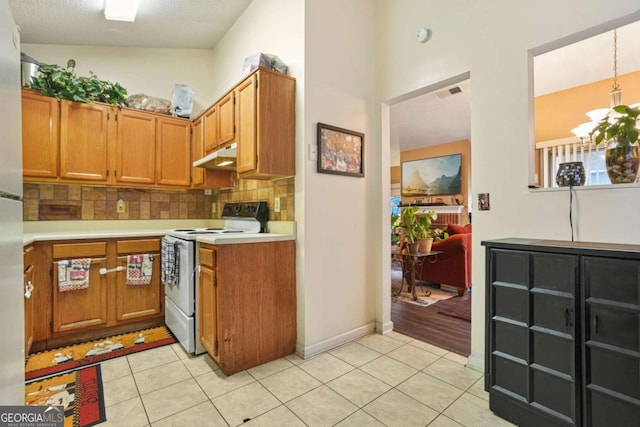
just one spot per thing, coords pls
(224, 159)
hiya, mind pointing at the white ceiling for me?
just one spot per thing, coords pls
(189, 24)
(418, 122)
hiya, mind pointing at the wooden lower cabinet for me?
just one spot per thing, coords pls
(80, 308)
(138, 301)
(108, 305)
(29, 291)
(247, 303)
(208, 302)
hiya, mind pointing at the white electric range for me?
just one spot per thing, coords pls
(181, 297)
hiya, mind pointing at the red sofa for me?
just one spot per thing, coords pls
(453, 266)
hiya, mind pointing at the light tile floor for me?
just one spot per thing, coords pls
(389, 380)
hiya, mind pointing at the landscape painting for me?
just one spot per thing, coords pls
(433, 176)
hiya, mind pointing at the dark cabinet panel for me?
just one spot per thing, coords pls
(563, 332)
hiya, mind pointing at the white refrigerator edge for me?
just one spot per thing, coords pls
(11, 265)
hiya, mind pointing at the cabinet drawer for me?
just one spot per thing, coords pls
(29, 256)
(79, 250)
(137, 246)
(207, 257)
(612, 279)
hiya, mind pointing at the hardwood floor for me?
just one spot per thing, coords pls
(425, 324)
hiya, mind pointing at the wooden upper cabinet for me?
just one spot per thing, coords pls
(135, 148)
(247, 143)
(40, 121)
(197, 150)
(210, 129)
(173, 152)
(84, 138)
(226, 119)
(266, 125)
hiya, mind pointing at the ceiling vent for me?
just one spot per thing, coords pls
(449, 92)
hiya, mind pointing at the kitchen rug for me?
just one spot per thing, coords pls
(74, 356)
(78, 392)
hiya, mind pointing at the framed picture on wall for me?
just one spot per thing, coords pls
(433, 176)
(340, 151)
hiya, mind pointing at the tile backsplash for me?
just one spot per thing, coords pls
(50, 202)
(250, 190)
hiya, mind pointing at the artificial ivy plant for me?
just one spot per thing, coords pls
(63, 83)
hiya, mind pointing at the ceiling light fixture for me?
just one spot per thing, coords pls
(615, 98)
(121, 10)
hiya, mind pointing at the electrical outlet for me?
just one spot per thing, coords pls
(207, 191)
(213, 207)
(276, 204)
(121, 207)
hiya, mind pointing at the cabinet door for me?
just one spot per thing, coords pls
(612, 341)
(208, 311)
(208, 301)
(40, 121)
(210, 125)
(532, 336)
(80, 308)
(135, 301)
(29, 292)
(173, 152)
(83, 141)
(247, 144)
(226, 119)
(135, 148)
(197, 148)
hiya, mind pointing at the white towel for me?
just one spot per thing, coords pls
(73, 274)
(139, 269)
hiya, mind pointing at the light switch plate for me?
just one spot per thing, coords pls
(313, 152)
(483, 202)
(276, 204)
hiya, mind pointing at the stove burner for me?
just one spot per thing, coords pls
(184, 229)
(214, 228)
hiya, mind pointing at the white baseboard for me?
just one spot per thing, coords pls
(322, 346)
(384, 328)
(476, 362)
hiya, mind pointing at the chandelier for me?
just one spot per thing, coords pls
(615, 98)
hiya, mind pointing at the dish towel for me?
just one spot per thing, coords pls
(73, 274)
(139, 269)
(170, 255)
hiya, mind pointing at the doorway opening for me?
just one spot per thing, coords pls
(434, 124)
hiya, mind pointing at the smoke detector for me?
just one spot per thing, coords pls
(448, 92)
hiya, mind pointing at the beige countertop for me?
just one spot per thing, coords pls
(74, 230)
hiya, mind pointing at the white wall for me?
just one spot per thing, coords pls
(151, 71)
(340, 213)
(491, 40)
(329, 48)
(275, 27)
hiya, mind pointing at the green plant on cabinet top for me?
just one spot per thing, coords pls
(63, 83)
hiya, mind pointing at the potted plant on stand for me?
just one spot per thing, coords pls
(416, 227)
(619, 129)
